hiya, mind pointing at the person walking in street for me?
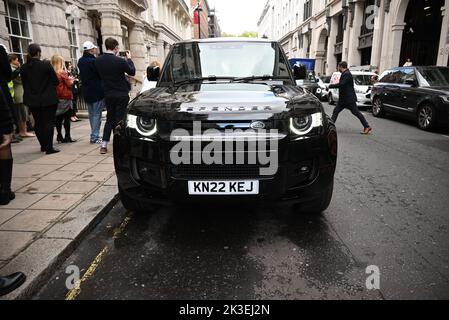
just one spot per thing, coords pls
(6, 130)
(65, 95)
(347, 97)
(22, 110)
(92, 89)
(113, 71)
(39, 83)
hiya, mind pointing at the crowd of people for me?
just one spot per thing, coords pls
(41, 96)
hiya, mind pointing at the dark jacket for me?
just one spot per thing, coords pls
(92, 86)
(6, 121)
(153, 74)
(346, 89)
(112, 71)
(39, 84)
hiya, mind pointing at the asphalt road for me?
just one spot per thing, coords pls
(390, 209)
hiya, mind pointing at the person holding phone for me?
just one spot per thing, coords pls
(113, 70)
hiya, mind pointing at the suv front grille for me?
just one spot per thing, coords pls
(216, 172)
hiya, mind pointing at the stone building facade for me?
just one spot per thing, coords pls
(145, 27)
(376, 33)
(166, 22)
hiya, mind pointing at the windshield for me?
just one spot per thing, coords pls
(225, 60)
(362, 79)
(434, 77)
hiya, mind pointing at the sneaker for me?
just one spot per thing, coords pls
(99, 141)
(367, 131)
(103, 150)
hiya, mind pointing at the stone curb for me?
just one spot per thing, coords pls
(47, 254)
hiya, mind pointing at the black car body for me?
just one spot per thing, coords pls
(187, 92)
(419, 93)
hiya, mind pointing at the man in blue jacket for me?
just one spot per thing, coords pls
(92, 89)
(347, 97)
(113, 71)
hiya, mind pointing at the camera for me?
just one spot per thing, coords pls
(123, 54)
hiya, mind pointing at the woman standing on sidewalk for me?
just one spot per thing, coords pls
(65, 95)
(18, 97)
(39, 84)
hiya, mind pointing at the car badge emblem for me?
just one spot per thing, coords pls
(256, 125)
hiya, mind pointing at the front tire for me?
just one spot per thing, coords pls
(318, 205)
(134, 205)
(427, 117)
(378, 109)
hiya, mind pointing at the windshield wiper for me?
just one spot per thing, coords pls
(201, 79)
(254, 78)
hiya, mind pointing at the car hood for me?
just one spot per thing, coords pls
(225, 101)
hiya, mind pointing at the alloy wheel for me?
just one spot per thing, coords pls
(425, 117)
(377, 108)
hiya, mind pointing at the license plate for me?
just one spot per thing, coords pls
(223, 187)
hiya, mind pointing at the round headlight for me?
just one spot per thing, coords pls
(302, 123)
(146, 124)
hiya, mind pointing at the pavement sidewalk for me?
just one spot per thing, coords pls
(58, 199)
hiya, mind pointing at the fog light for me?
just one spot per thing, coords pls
(304, 169)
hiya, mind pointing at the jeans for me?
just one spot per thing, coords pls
(116, 107)
(354, 110)
(95, 110)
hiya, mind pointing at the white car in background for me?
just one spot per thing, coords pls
(323, 82)
(362, 85)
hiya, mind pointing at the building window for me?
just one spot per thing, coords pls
(19, 28)
(125, 37)
(73, 39)
(301, 41)
(307, 9)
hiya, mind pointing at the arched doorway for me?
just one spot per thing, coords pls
(421, 36)
(321, 52)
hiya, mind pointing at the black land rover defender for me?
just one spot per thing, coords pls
(225, 123)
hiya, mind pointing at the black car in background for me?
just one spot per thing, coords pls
(419, 93)
(231, 91)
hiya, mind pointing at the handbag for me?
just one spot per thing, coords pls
(63, 107)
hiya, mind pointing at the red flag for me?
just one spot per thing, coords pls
(196, 17)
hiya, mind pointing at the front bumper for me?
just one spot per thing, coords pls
(146, 174)
(363, 99)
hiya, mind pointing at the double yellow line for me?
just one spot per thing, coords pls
(73, 294)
